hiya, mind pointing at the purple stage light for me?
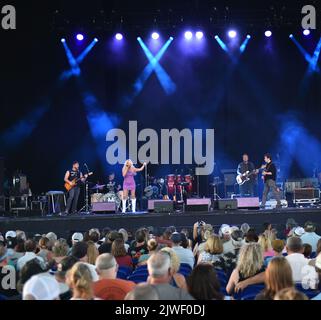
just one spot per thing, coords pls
(80, 37)
(155, 36)
(232, 34)
(119, 36)
(188, 35)
(306, 32)
(268, 33)
(199, 35)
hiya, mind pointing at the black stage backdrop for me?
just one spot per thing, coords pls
(257, 102)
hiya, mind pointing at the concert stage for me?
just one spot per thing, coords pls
(64, 226)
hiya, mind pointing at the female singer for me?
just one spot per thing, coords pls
(129, 171)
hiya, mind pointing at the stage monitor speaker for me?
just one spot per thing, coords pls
(198, 205)
(104, 207)
(163, 206)
(248, 203)
(227, 204)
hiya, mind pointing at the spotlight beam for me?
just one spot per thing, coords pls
(75, 70)
(245, 43)
(221, 43)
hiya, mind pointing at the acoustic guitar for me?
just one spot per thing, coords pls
(74, 182)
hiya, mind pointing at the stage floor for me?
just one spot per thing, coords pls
(63, 226)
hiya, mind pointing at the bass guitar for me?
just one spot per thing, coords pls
(242, 178)
(74, 182)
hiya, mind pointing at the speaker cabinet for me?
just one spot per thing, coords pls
(227, 204)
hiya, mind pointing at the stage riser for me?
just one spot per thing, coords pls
(63, 226)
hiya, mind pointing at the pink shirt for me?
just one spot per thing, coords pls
(269, 253)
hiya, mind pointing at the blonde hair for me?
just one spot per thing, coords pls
(60, 248)
(92, 252)
(250, 260)
(265, 242)
(175, 262)
(152, 245)
(79, 278)
(290, 294)
(214, 245)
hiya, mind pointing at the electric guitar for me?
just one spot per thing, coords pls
(74, 182)
(242, 178)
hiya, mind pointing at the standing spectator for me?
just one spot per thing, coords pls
(30, 249)
(310, 237)
(94, 236)
(265, 243)
(119, 252)
(203, 283)
(289, 226)
(251, 236)
(41, 287)
(185, 255)
(213, 252)
(44, 252)
(245, 228)
(187, 243)
(278, 276)
(108, 287)
(60, 250)
(160, 275)
(92, 252)
(52, 239)
(249, 269)
(80, 281)
(177, 279)
(77, 237)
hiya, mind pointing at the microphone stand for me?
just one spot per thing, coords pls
(86, 208)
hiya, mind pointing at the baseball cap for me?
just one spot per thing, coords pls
(41, 287)
(299, 231)
(176, 237)
(77, 237)
(51, 236)
(225, 229)
(11, 234)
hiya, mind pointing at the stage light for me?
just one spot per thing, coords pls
(155, 36)
(63, 40)
(232, 34)
(221, 43)
(268, 33)
(171, 38)
(119, 36)
(96, 40)
(139, 38)
(245, 43)
(80, 37)
(188, 35)
(306, 32)
(199, 35)
(248, 36)
(291, 36)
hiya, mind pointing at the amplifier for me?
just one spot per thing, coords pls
(198, 205)
(306, 193)
(248, 203)
(227, 204)
(104, 207)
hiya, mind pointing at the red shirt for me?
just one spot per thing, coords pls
(125, 261)
(112, 289)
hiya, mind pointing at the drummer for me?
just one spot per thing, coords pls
(112, 185)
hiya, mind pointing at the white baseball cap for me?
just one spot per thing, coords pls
(11, 234)
(299, 231)
(41, 287)
(226, 229)
(51, 236)
(77, 237)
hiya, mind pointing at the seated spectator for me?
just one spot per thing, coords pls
(142, 291)
(185, 255)
(60, 250)
(111, 237)
(278, 276)
(152, 246)
(203, 283)
(119, 252)
(177, 280)
(124, 233)
(52, 239)
(92, 252)
(30, 249)
(251, 236)
(77, 237)
(41, 287)
(80, 251)
(278, 246)
(249, 269)
(310, 237)
(318, 271)
(160, 276)
(186, 241)
(201, 233)
(290, 294)
(63, 266)
(289, 226)
(225, 234)
(108, 287)
(139, 246)
(213, 252)
(295, 257)
(307, 250)
(15, 248)
(94, 236)
(265, 243)
(80, 281)
(245, 228)
(44, 252)
(164, 239)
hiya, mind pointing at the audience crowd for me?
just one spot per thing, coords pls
(207, 263)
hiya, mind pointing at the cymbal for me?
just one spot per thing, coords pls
(98, 186)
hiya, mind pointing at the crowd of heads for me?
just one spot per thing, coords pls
(219, 263)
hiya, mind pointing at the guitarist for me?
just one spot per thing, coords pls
(247, 189)
(73, 194)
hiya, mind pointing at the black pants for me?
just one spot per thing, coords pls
(247, 189)
(73, 196)
(270, 185)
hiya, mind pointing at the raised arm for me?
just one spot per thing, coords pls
(125, 169)
(141, 168)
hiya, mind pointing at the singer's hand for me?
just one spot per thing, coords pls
(145, 164)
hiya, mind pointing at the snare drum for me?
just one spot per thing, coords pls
(97, 197)
(109, 197)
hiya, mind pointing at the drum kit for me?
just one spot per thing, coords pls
(174, 187)
(110, 196)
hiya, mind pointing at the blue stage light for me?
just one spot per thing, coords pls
(80, 37)
(199, 35)
(268, 33)
(306, 32)
(155, 36)
(119, 36)
(232, 34)
(188, 35)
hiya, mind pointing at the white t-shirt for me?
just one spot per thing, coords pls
(297, 262)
